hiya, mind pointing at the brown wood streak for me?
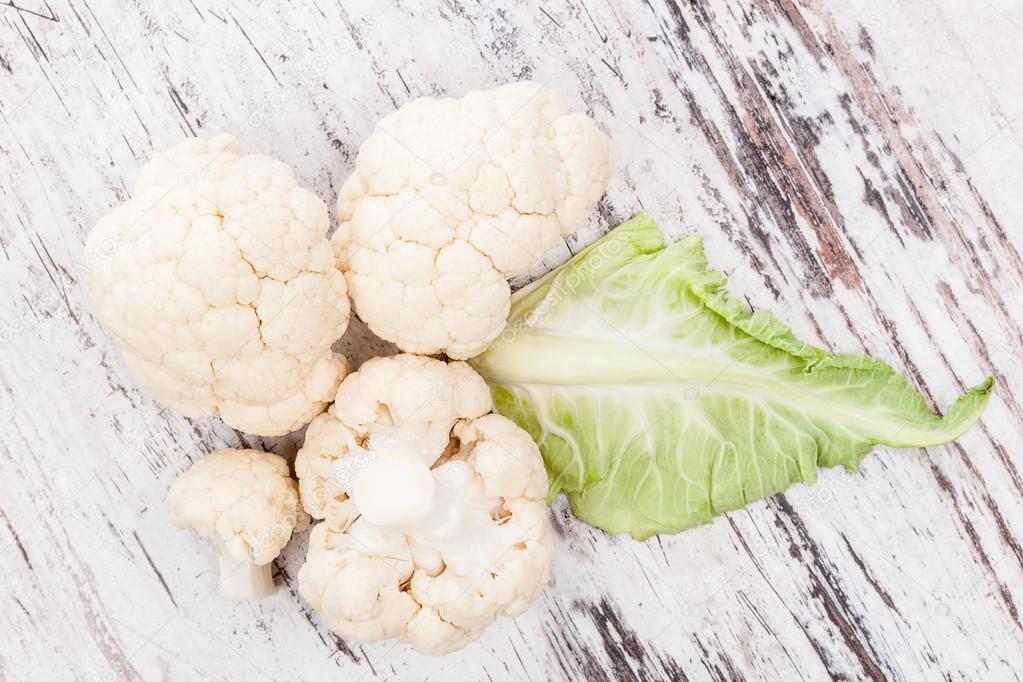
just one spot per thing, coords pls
(827, 588)
(774, 158)
(922, 186)
(707, 93)
(763, 163)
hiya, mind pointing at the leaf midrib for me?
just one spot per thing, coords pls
(562, 360)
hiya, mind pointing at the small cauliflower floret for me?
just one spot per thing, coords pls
(450, 198)
(246, 502)
(219, 283)
(435, 521)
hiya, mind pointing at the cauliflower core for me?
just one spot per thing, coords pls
(218, 281)
(450, 198)
(247, 503)
(435, 521)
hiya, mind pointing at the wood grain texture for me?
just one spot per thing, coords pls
(853, 166)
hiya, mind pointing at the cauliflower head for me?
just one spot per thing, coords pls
(217, 280)
(434, 514)
(246, 502)
(450, 198)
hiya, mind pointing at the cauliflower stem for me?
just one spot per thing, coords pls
(246, 503)
(243, 579)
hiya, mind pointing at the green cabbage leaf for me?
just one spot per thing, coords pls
(658, 401)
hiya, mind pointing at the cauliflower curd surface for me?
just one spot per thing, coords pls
(433, 508)
(217, 280)
(450, 198)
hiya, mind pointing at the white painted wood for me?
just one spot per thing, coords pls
(854, 167)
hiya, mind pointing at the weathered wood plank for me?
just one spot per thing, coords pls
(854, 167)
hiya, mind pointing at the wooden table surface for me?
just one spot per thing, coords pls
(855, 167)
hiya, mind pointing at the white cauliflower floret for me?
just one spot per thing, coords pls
(450, 198)
(218, 281)
(246, 502)
(435, 521)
